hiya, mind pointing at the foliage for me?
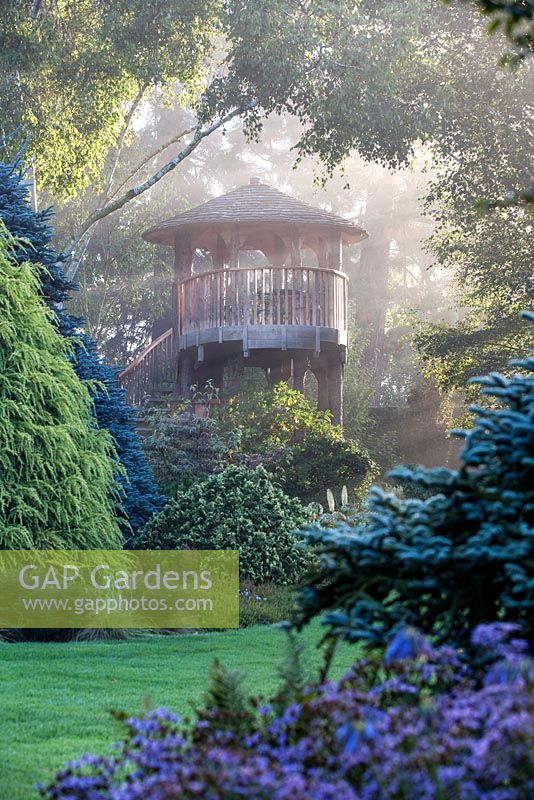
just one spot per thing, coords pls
(225, 698)
(71, 73)
(392, 74)
(464, 555)
(57, 468)
(417, 726)
(236, 509)
(33, 244)
(141, 499)
(279, 424)
(327, 462)
(32, 233)
(53, 720)
(184, 446)
(359, 394)
(490, 254)
(515, 18)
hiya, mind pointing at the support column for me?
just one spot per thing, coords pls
(321, 252)
(299, 371)
(335, 390)
(183, 264)
(333, 252)
(233, 256)
(321, 374)
(273, 375)
(219, 256)
(296, 251)
(217, 376)
(186, 376)
(234, 372)
(285, 370)
(209, 372)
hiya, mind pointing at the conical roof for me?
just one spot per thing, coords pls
(254, 204)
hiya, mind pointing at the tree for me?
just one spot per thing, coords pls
(417, 67)
(488, 254)
(58, 471)
(277, 56)
(73, 76)
(141, 498)
(376, 77)
(463, 556)
(112, 414)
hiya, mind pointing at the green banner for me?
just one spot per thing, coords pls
(119, 589)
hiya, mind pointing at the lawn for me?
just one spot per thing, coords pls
(55, 698)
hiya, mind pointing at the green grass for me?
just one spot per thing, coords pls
(55, 698)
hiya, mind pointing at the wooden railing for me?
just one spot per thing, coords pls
(263, 296)
(152, 370)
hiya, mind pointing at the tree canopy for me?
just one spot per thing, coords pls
(72, 73)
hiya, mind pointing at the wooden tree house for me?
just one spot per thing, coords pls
(273, 297)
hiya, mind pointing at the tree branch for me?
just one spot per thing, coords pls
(120, 201)
(122, 136)
(153, 155)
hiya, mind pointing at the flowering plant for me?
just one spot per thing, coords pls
(420, 724)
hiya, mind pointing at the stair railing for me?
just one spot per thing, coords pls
(152, 370)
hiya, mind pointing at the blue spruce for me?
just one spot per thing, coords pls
(463, 556)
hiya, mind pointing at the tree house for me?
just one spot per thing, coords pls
(272, 295)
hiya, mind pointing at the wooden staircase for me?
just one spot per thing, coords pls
(151, 378)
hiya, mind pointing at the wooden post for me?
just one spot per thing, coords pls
(321, 373)
(296, 251)
(183, 256)
(217, 375)
(220, 253)
(299, 371)
(274, 375)
(333, 251)
(285, 370)
(335, 390)
(322, 253)
(233, 257)
(183, 262)
(185, 374)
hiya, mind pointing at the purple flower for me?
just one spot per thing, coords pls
(429, 731)
(407, 643)
(493, 635)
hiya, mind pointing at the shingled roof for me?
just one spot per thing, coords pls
(253, 204)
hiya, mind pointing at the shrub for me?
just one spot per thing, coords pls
(57, 473)
(416, 726)
(236, 509)
(323, 462)
(282, 430)
(183, 447)
(462, 556)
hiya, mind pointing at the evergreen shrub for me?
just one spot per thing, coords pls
(281, 429)
(57, 474)
(236, 509)
(447, 562)
(32, 234)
